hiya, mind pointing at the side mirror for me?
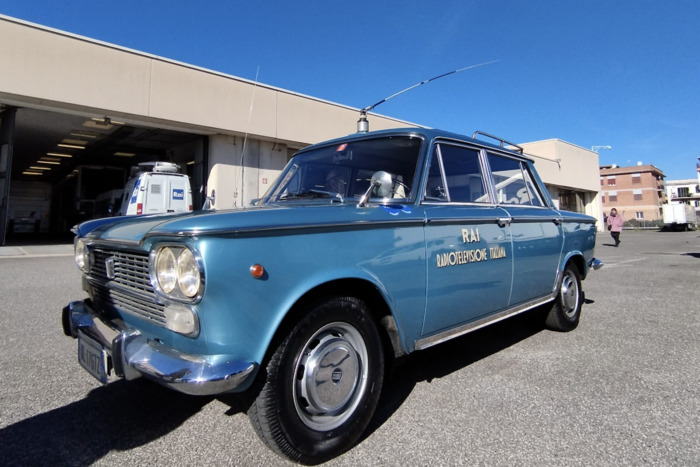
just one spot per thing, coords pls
(380, 184)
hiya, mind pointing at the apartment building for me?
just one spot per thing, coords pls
(683, 191)
(636, 192)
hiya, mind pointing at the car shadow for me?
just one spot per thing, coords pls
(127, 414)
(446, 358)
(117, 417)
(432, 363)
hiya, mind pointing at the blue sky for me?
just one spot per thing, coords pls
(624, 73)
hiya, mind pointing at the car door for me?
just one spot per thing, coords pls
(468, 244)
(535, 228)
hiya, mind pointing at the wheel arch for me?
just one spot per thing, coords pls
(578, 261)
(352, 287)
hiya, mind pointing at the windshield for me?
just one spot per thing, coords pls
(343, 171)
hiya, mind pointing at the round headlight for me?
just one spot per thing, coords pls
(188, 273)
(81, 255)
(166, 270)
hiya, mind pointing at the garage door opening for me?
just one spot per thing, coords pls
(66, 168)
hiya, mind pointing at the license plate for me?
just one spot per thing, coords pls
(92, 357)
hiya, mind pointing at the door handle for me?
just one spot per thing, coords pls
(504, 221)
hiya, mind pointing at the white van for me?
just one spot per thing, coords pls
(156, 187)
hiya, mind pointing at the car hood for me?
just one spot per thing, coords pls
(135, 229)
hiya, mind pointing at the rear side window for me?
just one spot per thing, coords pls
(513, 182)
(456, 175)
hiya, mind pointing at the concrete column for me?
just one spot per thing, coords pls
(7, 136)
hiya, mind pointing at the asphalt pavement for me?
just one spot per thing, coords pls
(621, 389)
(43, 250)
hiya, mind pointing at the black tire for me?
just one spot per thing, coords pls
(337, 344)
(566, 310)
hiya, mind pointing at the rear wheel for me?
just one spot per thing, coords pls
(322, 383)
(566, 310)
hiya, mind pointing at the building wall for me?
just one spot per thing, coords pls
(571, 174)
(636, 192)
(263, 161)
(53, 70)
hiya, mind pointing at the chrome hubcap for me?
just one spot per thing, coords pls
(569, 295)
(330, 376)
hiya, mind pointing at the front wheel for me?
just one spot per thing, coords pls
(566, 310)
(322, 384)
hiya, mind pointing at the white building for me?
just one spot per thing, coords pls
(77, 113)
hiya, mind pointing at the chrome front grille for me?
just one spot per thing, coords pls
(129, 290)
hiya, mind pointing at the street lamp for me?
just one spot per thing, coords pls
(595, 149)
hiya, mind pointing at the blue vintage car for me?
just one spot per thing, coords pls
(366, 248)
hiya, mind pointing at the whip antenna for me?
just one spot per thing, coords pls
(363, 124)
(245, 140)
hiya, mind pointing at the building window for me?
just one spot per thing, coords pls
(636, 178)
(612, 196)
(640, 215)
(601, 181)
(683, 192)
(602, 199)
(611, 180)
(637, 195)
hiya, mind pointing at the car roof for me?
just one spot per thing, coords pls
(429, 134)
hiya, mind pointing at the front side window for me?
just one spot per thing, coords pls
(456, 175)
(513, 182)
(343, 171)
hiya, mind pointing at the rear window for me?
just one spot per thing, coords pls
(513, 182)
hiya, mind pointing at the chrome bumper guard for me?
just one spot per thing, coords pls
(132, 356)
(595, 263)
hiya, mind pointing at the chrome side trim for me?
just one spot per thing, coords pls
(480, 323)
(287, 229)
(132, 356)
(462, 220)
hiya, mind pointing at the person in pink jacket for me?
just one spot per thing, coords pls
(615, 223)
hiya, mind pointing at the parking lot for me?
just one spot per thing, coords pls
(622, 389)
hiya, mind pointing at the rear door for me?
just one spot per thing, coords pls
(155, 198)
(177, 199)
(535, 228)
(468, 242)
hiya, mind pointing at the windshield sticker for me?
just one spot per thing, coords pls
(397, 209)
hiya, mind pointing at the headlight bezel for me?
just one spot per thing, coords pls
(176, 293)
(81, 254)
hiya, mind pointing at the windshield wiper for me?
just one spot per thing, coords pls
(314, 194)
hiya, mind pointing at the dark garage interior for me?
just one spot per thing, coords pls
(66, 168)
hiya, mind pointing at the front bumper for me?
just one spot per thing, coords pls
(132, 355)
